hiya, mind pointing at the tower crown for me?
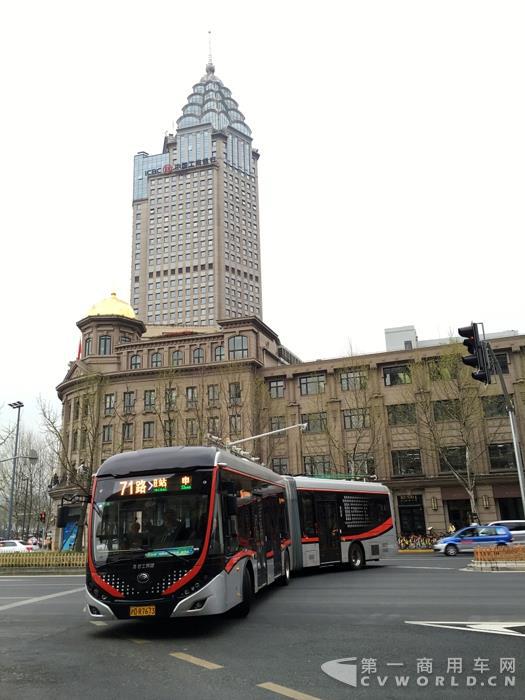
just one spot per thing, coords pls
(211, 102)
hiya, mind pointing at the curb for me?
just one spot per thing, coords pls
(415, 551)
(29, 571)
(491, 566)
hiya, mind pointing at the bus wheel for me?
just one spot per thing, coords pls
(284, 579)
(356, 556)
(243, 608)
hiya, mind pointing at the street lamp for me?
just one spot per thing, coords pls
(17, 405)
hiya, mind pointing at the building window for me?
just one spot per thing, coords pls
(280, 465)
(177, 358)
(443, 369)
(503, 360)
(234, 393)
(276, 388)
(191, 429)
(148, 430)
(109, 404)
(156, 359)
(129, 401)
(402, 414)
(313, 384)
(170, 398)
(168, 428)
(74, 445)
(235, 424)
(135, 362)
(315, 422)
(198, 356)
(406, 462)
(191, 397)
(353, 379)
(446, 410)
(501, 456)
(213, 425)
(88, 347)
(356, 418)
(219, 353)
(237, 347)
(125, 339)
(400, 374)
(494, 406)
(361, 464)
(317, 464)
(107, 433)
(76, 409)
(104, 345)
(213, 395)
(277, 423)
(453, 459)
(127, 431)
(149, 399)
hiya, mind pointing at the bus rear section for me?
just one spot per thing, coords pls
(181, 532)
(341, 522)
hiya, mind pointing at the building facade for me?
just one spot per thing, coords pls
(408, 418)
(195, 241)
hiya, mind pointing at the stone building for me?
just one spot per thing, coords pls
(391, 415)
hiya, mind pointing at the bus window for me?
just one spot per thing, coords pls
(307, 510)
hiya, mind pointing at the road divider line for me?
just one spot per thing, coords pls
(99, 623)
(195, 660)
(39, 599)
(287, 692)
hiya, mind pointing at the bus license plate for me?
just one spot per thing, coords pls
(142, 610)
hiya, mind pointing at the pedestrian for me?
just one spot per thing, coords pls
(451, 529)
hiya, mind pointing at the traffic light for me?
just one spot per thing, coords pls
(478, 353)
(42, 517)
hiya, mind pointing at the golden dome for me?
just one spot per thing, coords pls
(112, 306)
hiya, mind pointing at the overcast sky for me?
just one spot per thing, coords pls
(392, 141)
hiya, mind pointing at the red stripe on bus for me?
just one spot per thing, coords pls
(269, 555)
(257, 478)
(306, 540)
(375, 532)
(96, 577)
(285, 543)
(237, 557)
(200, 561)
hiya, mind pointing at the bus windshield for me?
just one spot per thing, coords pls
(150, 517)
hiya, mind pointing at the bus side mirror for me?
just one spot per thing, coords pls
(231, 505)
(62, 516)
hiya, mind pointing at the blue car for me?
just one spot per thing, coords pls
(468, 538)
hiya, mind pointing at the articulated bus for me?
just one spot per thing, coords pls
(190, 531)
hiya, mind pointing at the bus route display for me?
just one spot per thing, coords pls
(161, 484)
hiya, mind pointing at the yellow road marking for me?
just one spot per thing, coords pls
(195, 660)
(287, 692)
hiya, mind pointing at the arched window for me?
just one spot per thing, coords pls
(198, 356)
(88, 346)
(135, 362)
(104, 345)
(237, 347)
(177, 358)
(156, 360)
(219, 353)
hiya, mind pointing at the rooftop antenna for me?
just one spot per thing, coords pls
(210, 68)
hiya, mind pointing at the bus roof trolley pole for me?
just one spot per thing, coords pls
(301, 426)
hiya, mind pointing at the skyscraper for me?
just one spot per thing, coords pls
(196, 251)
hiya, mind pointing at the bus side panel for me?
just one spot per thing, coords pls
(295, 550)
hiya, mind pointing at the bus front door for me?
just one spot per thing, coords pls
(329, 532)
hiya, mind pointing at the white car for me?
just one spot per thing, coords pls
(516, 527)
(14, 546)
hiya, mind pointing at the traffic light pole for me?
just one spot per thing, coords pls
(513, 425)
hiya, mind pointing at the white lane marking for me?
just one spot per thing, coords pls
(488, 627)
(99, 623)
(195, 660)
(443, 568)
(287, 692)
(37, 600)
